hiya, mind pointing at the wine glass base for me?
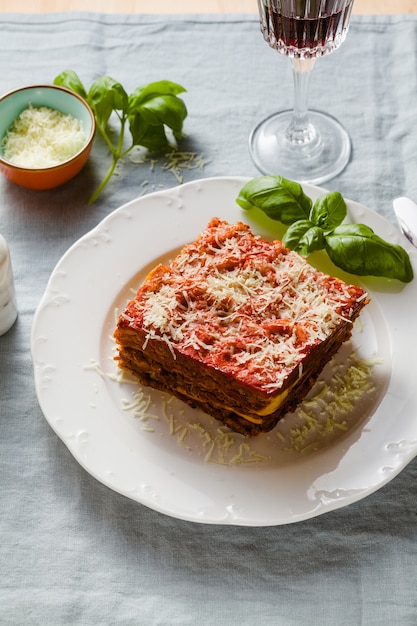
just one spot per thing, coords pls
(315, 161)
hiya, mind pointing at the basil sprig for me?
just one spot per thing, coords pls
(148, 111)
(355, 248)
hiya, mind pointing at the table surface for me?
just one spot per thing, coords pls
(76, 552)
(184, 6)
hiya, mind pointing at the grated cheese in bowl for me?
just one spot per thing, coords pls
(42, 137)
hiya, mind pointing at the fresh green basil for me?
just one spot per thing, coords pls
(281, 199)
(329, 211)
(71, 80)
(158, 104)
(153, 107)
(358, 250)
(355, 248)
(304, 237)
(105, 96)
(147, 112)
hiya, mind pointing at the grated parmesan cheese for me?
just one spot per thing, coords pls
(247, 306)
(331, 409)
(41, 137)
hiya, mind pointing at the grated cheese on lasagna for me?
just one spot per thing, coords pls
(247, 306)
(237, 326)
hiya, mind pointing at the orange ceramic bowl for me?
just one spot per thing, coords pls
(60, 99)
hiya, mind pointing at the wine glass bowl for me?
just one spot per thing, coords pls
(304, 29)
(301, 144)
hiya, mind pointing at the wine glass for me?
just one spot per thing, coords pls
(301, 144)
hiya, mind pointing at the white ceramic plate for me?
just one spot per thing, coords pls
(174, 459)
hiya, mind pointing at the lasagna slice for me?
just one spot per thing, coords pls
(236, 326)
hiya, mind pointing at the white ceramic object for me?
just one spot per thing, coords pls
(155, 450)
(8, 307)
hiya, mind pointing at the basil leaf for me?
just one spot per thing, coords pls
(304, 237)
(161, 87)
(329, 211)
(71, 80)
(158, 104)
(144, 134)
(281, 199)
(167, 110)
(355, 248)
(105, 96)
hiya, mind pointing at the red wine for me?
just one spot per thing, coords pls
(311, 34)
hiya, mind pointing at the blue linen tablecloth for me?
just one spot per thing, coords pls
(72, 550)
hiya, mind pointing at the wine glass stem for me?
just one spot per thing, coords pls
(300, 131)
